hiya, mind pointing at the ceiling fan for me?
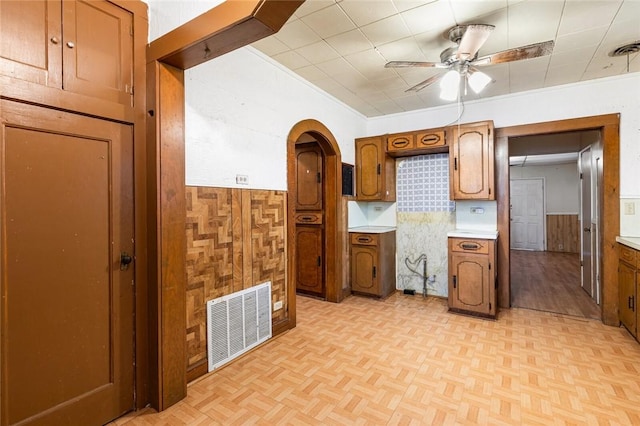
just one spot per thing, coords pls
(462, 60)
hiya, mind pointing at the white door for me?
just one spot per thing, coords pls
(586, 236)
(527, 214)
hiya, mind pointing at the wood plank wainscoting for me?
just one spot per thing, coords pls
(563, 233)
(236, 238)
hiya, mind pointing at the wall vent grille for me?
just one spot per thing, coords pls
(237, 322)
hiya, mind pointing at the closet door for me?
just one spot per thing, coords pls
(67, 279)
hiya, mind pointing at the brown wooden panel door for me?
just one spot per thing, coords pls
(628, 297)
(309, 259)
(67, 306)
(31, 42)
(98, 50)
(364, 270)
(309, 177)
(470, 163)
(369, 162)
(469, 283)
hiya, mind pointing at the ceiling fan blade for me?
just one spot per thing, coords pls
(472, 40)
(405, 64)
(425, 83)
(518, 53)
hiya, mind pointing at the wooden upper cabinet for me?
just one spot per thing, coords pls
(471, 161)
(31, 42)
(309, 177)
(417, 143)
(84, 47)
(375, 171)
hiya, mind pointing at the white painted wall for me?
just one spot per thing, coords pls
(562, 185)
(595, 97)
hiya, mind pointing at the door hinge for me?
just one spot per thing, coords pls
(318, 177)
(489, 306)
(580, 175)
(581, 264)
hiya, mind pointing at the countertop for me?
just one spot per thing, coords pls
(633, 242)
(473, 233)
(372, 229)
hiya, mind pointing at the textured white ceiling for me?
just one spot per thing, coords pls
(341, 46)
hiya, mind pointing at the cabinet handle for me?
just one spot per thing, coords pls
(455, 163)
(364, 239)
(455, 281)
(631, 303)
(319, 261)
(70, 45)
(470, 246)
(379, 170)
(319, 178)
(307, 218)
(55, 40)
(430, 140)
(374, 272)
(400, 143)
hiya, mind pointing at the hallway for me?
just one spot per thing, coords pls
(550, 282)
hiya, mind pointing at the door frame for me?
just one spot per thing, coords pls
(592, 280)
(609, 219)
(335, 228)
(544, 208)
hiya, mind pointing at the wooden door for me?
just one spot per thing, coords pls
(309, 177)
(31, 42)
(471, 162)
(364, 269)
(67, 303)
(469, 283)
(369, 161)
(527, 214)
(309, 260)
(98, 50)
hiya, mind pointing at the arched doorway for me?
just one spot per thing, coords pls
(309, 133)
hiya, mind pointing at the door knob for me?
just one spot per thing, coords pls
(70, 45)
(125, 260)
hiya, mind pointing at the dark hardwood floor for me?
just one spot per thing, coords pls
(548, 281)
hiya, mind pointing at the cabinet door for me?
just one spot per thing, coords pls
(469, 283)
(627, 294)
(471, 163)
(364, 270)
(309, 177)
(98, 50)
(369, 163)
(309, 259)
(31, 42)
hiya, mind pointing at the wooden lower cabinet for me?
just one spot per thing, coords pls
(472, 276)
(373, 263)
(309, 260)
(628, 288)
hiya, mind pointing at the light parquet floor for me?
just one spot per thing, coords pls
(407, 361)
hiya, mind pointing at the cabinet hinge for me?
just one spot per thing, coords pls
(131, 31)
(580, 175)
(319, 177)
(489, 306)
(128, 89)
(581, 264)
(489, 191)
(489, 265)
(319, 261)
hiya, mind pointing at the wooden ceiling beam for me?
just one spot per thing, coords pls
(226, 27)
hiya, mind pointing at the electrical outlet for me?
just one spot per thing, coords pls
(377, 209)
(629, 208)
(477, 210)
(277, 306)
(242, 179)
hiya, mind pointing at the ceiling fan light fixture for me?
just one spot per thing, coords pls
(449, 86)
(478, 81)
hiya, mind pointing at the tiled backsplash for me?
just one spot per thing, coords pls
(423, 184)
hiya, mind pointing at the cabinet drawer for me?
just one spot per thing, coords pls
(465, 245)
(364, 239)
(431, 139)
(400, 142)
(628, 255)
(310, 218)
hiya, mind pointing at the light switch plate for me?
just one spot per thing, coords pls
(629, 208)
